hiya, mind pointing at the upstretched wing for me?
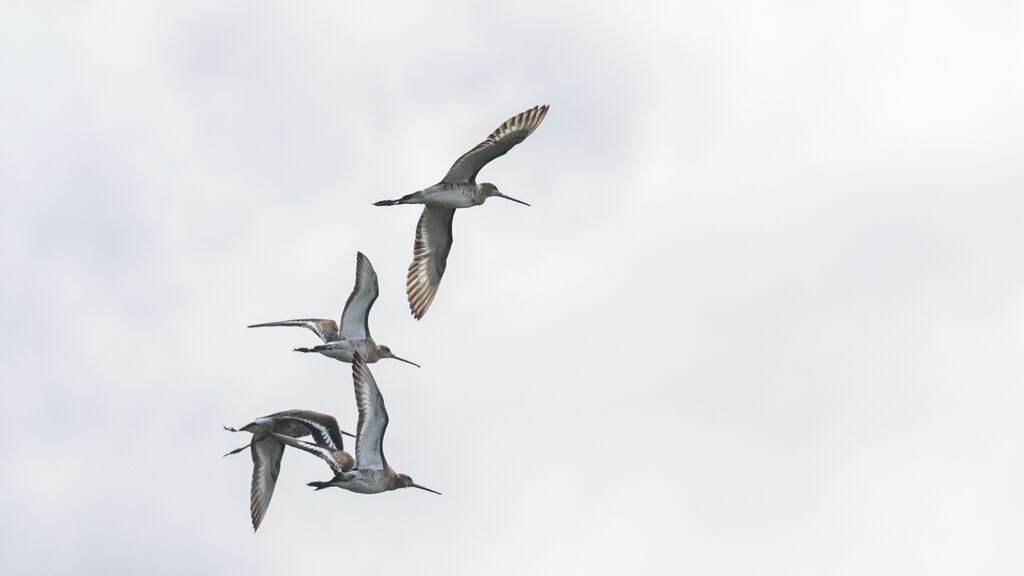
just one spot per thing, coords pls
(339, 465)
(511, 132)
(266, 464)
(429, 257)
(373, 418)
(355, 323)
(327, 330)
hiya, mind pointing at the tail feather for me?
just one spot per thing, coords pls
(414, 198)
(338, 478)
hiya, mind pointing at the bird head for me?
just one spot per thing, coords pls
(491, 190)
(405, 481)
(385, 352)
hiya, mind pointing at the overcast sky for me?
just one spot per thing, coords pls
(765, 314)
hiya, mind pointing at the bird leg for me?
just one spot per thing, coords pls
(237, 450)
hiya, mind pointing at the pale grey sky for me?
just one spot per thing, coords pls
(764, 316)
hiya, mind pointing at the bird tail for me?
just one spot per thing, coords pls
(319, 485)
(317, 348)
(413, 198)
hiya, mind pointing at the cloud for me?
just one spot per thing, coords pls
(765, 299)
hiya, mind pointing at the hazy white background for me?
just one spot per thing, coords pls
(765, 315)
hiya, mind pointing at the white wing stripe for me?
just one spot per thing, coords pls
(325, 453)
(320, 432)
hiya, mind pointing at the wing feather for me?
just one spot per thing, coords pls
(373, 418)
(327, 330)
(266, 465)
(429, 257)
(339, 466)
(322, 427)
(355, 319)
(511, 132)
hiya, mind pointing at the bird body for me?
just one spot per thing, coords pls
(364, 481)
(458, 189)
(352, 334)
(344, 350)
(454, 195)
(451, 195)
(371, 473)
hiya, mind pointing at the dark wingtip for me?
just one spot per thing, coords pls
(384, 203)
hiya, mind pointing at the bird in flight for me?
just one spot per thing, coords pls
(458, 189)
(267, 450)
(371, 473)
(354, 334)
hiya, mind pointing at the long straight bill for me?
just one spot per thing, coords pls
(512, 199)
(406, 361)
(425, 488)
